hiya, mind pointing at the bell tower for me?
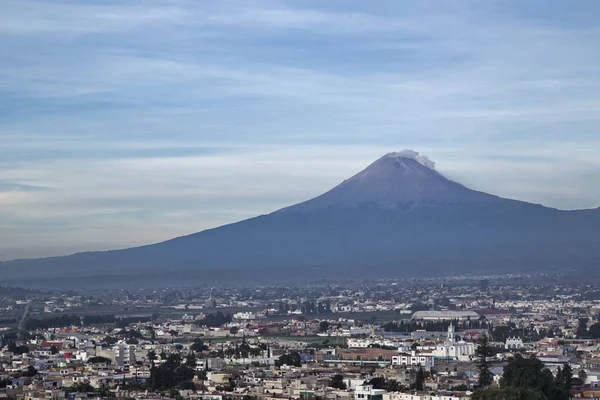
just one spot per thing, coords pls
(451, 334)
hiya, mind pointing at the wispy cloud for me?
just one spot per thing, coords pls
(145, 120)
(59, 18)
(19, 187)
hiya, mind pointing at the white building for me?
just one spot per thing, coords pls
(452, 350)
(461, 351)
(352, 384)
(244, 316)
(513, 343)
(414, 359)
(366, 392)
(448, 315)
(358, 331)
(358, 343)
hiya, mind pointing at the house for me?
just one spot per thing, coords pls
(366, 392)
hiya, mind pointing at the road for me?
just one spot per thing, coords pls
(21, 325)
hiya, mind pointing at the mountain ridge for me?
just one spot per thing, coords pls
(391, 180)
(398, 215)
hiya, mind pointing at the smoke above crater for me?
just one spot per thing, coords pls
(414, 155)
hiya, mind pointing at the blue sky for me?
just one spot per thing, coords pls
(124, 123)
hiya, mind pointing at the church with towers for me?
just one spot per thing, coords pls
(453, 349)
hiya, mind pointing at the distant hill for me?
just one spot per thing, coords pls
(398, 217)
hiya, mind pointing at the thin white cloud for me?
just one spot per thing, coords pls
(58, 18)
(168, 117)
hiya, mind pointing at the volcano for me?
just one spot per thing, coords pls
(394, 180)
(399, 217)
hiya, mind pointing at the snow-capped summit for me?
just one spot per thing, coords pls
(395, 180)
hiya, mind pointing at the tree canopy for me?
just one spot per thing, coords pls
(293, 360)
(420, 381)
(528, 378)
(99, 360)
(484, 351)
(170, 374)
(198, 345)
(389, 385)
(337, 382)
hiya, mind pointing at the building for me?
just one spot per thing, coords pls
(244, 316)
(414, 359)
(125, 355)
(514, 343)
(366, 392)
(462, 351)
(364, 354)
(364, 343)
(451, 349)
(448, 315)
(495, 315)
(355, 331)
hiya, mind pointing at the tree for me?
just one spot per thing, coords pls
(151, 356)
(559, 385)
(13, 348)
(99, 360)
(293, 360)
(582, 328)
(198, 345)
(234, 330)
(484, 351)
(530, 374)
(53, 350)
(460, 388)
(420, 381)
(582, 374)
(323, 326)
(595, 331)
(104, 391)
(389, 385)
(82, 387)
(191, 360)
(243, 350)
(229, 387)
(337, 382)
(154, 381)
(170, 374)
(4, 383)
(216, 319)
(109, 340)
(568, 376)
(187, 385)
(30, 372)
